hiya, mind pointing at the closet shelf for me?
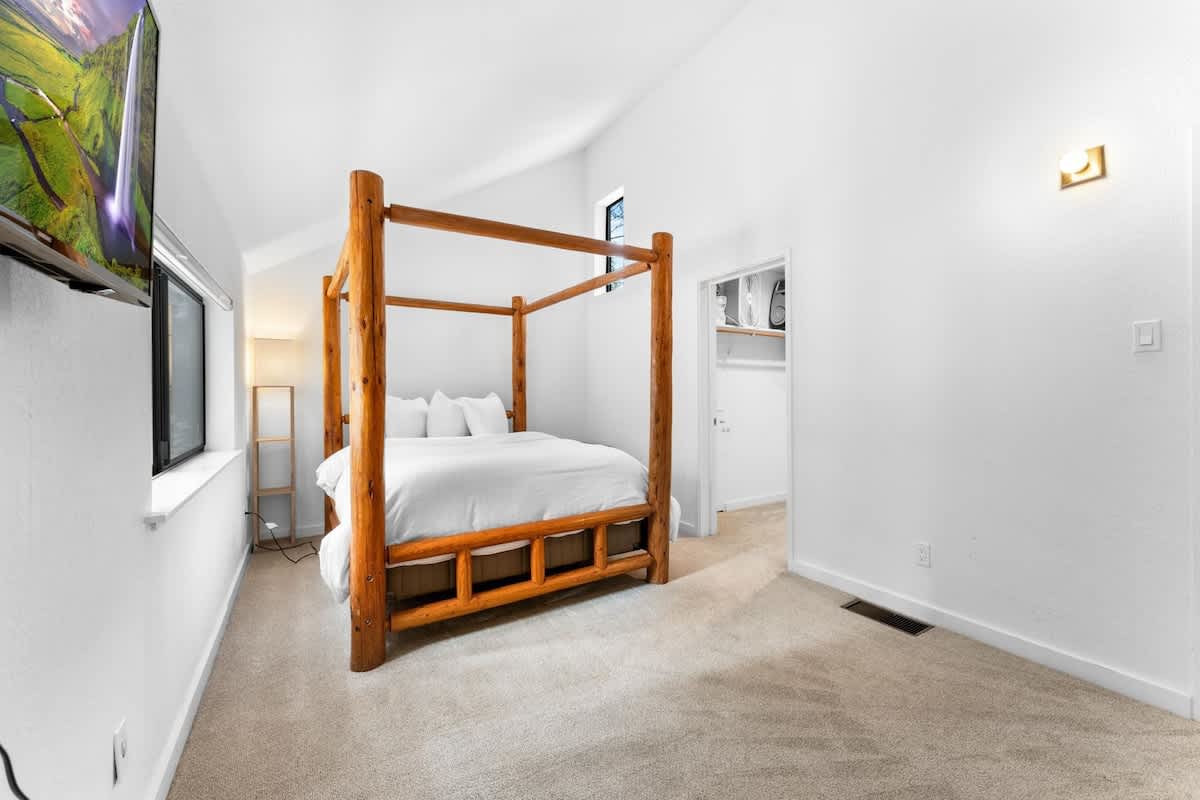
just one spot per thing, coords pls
(750, 331)
(752, 363)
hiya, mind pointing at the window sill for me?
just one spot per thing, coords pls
(171, 490)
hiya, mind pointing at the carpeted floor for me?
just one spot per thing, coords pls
(736, 680)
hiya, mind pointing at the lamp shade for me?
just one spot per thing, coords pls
(276, 362)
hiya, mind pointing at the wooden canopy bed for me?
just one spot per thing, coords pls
(360, 269)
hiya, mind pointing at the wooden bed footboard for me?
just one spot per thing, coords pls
(468, 601)
(360, 268)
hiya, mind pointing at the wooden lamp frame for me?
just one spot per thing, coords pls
(361, 264)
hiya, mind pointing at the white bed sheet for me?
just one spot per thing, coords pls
(440, 486)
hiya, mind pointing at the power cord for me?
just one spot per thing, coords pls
(279, 548)
(8, 773)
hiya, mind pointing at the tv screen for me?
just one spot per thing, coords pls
(79, 81)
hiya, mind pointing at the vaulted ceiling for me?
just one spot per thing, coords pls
(287, 96)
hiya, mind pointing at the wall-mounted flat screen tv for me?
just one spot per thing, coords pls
(78, 83)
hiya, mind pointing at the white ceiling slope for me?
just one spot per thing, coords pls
(285, 97)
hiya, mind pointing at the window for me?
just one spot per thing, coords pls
(177, 322)
(614, 231)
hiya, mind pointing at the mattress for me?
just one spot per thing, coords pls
(442, 486)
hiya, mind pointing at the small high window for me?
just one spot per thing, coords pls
(614, 231)
(177, 322)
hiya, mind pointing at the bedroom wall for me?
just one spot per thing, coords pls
(104, 619)
(461, 354)
(964, 374)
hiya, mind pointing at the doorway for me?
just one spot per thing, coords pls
(745, 384)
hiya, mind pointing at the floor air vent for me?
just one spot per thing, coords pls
(890, 618)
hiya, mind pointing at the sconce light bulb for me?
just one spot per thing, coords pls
(1074, 162)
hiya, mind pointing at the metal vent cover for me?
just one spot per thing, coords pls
(888, 617)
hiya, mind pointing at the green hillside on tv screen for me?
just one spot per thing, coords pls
(78, 82)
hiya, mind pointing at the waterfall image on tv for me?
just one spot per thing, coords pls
(79, 80)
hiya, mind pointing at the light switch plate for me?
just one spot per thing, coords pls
(1147, 336)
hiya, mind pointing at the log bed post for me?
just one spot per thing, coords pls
(658, 494)
(334, 433)
(368, 388)
(518, 364)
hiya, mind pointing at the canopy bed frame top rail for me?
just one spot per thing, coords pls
(360, 271)
(441, 305)
(591, 284)
(453, 223)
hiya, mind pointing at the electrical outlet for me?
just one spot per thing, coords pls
(120, 752)
(924, 554)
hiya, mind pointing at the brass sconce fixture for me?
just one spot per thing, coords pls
(1081, 166)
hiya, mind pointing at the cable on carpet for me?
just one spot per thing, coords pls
(279, 548)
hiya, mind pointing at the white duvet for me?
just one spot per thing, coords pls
(441, 486)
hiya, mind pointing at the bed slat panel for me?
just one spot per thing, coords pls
(448, 609)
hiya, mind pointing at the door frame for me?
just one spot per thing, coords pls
(1194, 421)
(706, 522)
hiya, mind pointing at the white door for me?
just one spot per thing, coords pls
(751, 428)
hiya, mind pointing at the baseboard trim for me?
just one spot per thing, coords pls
(169, 761)
(750, 502)
(310, 531)
(1107, 677)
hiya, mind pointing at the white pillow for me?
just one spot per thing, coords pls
(405, 418)
(446, 417)
(484, 415)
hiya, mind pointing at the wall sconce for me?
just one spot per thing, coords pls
(1081, 166)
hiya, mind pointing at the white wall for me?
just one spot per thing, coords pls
(964, 374)
(461, 354)
(103, 618)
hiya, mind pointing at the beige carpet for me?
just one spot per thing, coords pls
(736, 680)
